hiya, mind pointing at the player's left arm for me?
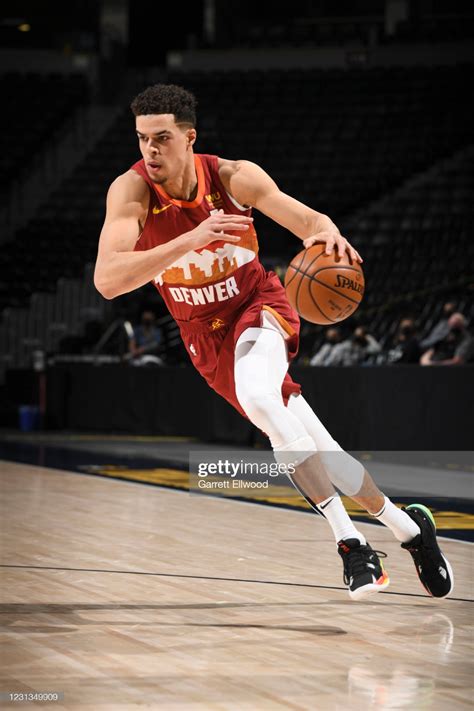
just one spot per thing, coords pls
(251, 185)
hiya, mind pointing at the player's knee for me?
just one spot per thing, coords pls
(258, 406)
(344, 471)
(254, 394)
(295, 452)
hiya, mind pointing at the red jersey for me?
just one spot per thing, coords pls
(212, 281)
(218, 291)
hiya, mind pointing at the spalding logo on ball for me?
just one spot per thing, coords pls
(324, 288)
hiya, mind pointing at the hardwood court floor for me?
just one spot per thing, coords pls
(126, 596)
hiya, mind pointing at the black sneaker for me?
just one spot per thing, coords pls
(434, 571)
(364, 574)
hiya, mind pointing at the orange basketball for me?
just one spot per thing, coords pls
(324, 288)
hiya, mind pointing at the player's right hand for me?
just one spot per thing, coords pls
(218, 227)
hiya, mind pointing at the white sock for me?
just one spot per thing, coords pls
(399, 522)
(337, 517)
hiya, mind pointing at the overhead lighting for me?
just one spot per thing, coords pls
(24, 27)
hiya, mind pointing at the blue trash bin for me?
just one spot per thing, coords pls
(29, 417)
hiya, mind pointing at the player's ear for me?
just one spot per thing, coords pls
(191, 136)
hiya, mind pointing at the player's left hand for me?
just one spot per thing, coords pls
(333, 239)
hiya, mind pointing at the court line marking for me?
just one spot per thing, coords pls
(144, 476)
(180, 489)
(156, 476)
(211, 577)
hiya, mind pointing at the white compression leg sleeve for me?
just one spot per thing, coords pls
(260, 366)
(344, 471)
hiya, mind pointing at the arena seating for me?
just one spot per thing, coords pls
(350, 25)
(417, 253)
(336, 139)
(27, 127)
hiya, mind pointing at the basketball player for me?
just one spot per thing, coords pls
(183, 221)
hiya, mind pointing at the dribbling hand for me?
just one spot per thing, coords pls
(334, 240)
(217, 227)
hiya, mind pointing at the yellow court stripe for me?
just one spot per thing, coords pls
(164, 477)
(276, 495)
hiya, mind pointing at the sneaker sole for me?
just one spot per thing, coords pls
(428, 513)
(369, 590)
(425, 510)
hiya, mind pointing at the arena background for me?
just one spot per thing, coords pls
(360, 109)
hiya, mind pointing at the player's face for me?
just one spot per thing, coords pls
(164, 145)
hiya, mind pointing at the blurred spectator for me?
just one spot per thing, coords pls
(406, 347)
(323, 355)
(355, 350)
(439, 330)
(146, 340)
(456, 348)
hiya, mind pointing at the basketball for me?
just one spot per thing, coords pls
(324, 288)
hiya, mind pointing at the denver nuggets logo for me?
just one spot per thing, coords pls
(216, 324)
(215, 200)
(213, 197)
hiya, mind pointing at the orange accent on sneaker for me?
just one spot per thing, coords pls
(383, 580)
(345, 548)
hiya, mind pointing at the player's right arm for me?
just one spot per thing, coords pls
(118, 268)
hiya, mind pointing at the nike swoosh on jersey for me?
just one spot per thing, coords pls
(157, 210)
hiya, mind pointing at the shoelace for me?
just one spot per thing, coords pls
(356, 562)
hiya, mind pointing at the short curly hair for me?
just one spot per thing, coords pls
(166, 99)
